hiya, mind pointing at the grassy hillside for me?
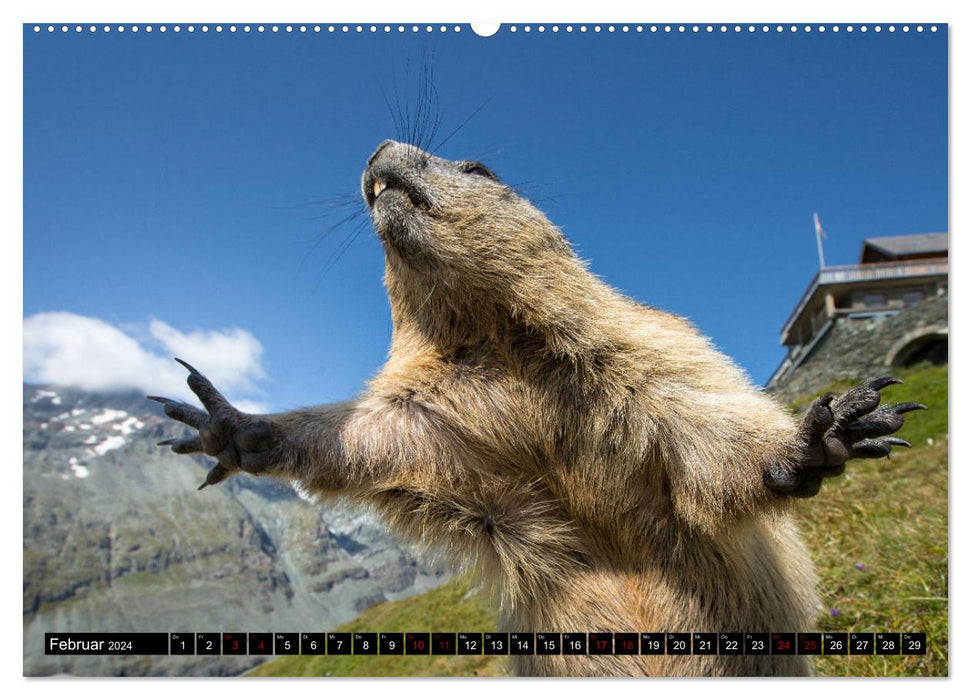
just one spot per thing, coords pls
(454, 607)
(878, 536)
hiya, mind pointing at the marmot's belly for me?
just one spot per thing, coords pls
(757, 580)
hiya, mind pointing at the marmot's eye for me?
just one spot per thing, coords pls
(478, 169)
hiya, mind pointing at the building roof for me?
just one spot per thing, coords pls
(922, 244)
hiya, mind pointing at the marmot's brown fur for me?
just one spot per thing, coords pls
(595, 459)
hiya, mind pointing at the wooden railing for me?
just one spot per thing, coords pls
(882, 271)
(842, 274)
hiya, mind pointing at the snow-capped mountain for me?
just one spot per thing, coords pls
(117, 538)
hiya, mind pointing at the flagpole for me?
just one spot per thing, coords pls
(819, 240)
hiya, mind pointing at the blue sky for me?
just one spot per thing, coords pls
(176, 185)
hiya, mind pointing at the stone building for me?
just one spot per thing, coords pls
(854, 321)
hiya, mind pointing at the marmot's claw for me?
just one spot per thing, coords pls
(834, 430)
(192, 370)
(208, 394)
(182, 412)
(882, 382)
(183, 446)
(870, 449)
(215, 475)
(235, 439)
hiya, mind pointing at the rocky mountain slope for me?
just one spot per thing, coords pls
(117, 538)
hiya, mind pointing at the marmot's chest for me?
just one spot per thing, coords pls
(546, 421)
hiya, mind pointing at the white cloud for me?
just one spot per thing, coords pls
(68, 349)
(231, 357)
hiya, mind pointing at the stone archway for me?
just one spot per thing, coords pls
(923, 344)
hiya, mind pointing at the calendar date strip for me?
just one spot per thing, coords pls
(485, 643)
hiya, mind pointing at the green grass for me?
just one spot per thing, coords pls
(878, 536)
(455, 607)
(924, 384)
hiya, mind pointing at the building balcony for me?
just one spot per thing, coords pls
(840, 277)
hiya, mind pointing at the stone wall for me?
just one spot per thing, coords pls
(855, 348)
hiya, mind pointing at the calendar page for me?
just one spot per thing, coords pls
(431, 348)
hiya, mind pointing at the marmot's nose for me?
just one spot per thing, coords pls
(384, 144)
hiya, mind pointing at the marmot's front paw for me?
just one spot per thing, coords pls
(237, 440)
(836, 430)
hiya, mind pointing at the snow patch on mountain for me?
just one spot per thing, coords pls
(44, 394)
(129, 425)
(111, 443)
(80, 471)
(108, 415)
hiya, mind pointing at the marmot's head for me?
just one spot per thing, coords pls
(461, 246)
(454, 220)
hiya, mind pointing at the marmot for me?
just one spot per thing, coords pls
(595, 459)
